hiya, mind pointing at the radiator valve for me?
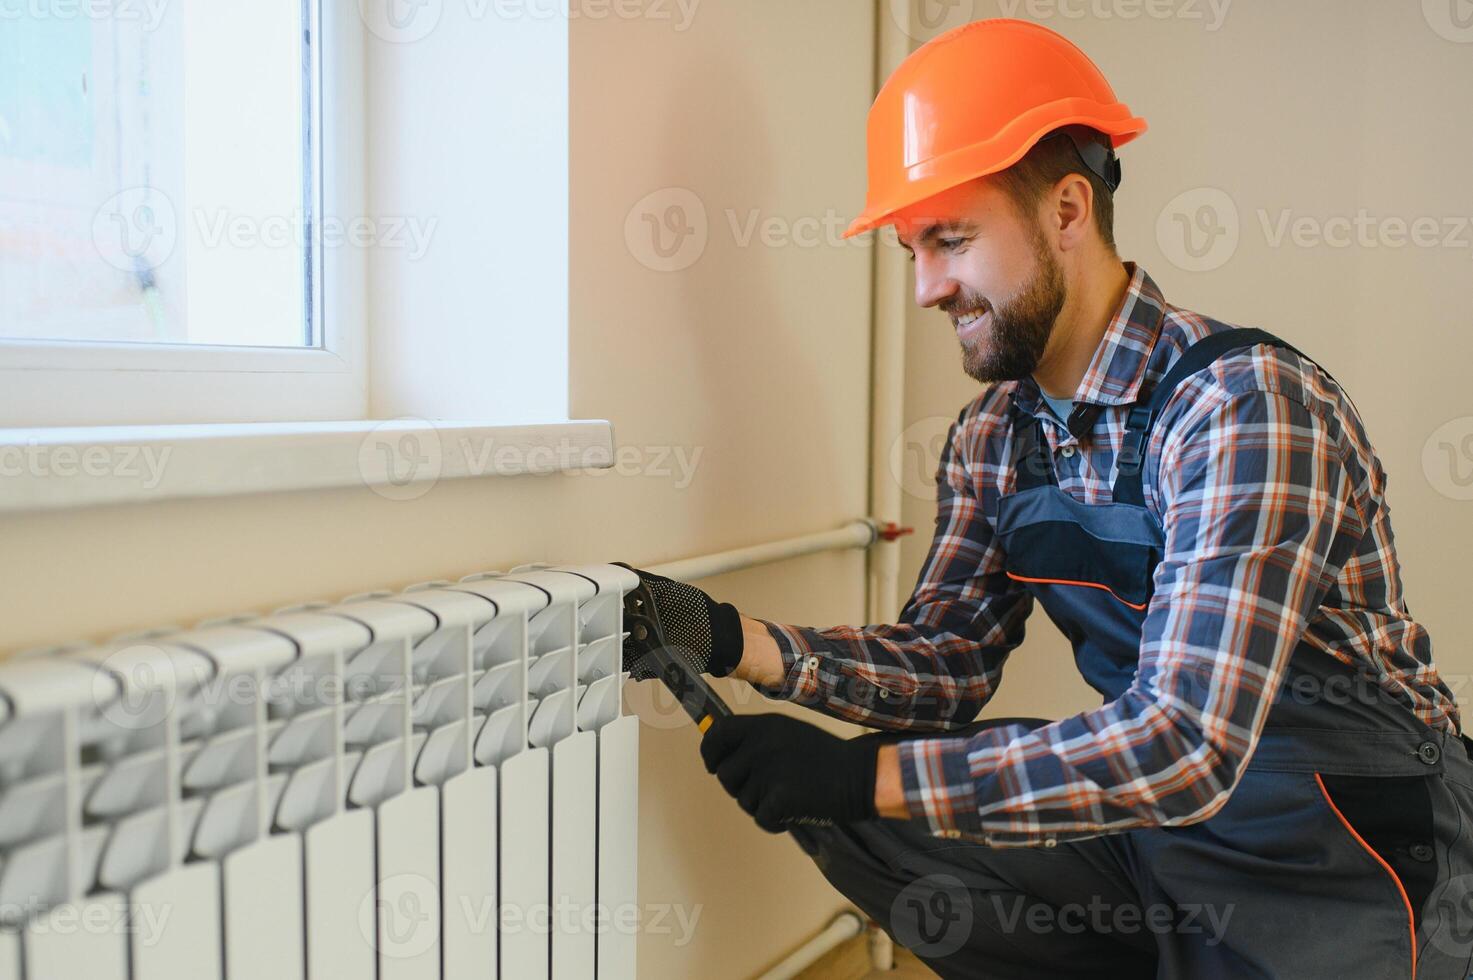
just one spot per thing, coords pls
(890, 531)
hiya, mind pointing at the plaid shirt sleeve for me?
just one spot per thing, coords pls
(943, 660)
(1257, 505)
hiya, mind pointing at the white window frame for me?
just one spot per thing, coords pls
(86, 383)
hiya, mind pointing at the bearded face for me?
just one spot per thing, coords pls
(1005, 340)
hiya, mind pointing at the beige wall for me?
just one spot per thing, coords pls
(758, 356)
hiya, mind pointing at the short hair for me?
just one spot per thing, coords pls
(1051, 160)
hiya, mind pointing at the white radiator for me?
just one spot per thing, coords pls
(438, 783)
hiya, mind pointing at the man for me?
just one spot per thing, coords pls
(1276, 783)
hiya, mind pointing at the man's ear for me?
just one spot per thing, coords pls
(1073, 210)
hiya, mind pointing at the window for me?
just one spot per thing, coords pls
(161, 195)
(159, 176)
(189, 234)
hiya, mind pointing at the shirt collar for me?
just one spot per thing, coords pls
(1118, 367)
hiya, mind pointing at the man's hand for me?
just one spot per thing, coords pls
(698, 629)
(780, 769)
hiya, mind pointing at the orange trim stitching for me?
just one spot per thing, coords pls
(1411, 922)
(1064, 581)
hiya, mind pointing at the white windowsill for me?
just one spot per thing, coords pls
(401, 459)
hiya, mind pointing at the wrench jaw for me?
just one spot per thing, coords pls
(640, 609)
(642, 621)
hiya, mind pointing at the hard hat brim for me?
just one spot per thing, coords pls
(932, 177)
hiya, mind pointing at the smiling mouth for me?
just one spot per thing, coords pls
(970, 325)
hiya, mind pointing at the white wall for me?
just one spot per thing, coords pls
(467, 148)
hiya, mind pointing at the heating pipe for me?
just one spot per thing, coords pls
(890, 302)
(856, 534)
(845, 926)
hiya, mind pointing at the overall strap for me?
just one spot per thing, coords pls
(1031, 460)
(1143, 413)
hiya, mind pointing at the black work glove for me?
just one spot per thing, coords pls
(782, 770)
(703, 632)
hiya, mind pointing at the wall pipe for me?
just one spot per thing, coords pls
(889, 306)
(845, 926)
(856, 534)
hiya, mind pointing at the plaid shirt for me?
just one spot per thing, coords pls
(1276, 531)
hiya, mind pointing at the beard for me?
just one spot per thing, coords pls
(1020, 328)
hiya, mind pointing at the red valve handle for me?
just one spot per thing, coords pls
(892, 531)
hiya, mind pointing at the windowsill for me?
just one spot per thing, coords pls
(400, 459)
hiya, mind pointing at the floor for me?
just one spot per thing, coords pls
(851, 961)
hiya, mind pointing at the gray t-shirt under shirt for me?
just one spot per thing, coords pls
(1061, 406)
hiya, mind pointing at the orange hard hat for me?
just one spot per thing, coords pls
(972, 102)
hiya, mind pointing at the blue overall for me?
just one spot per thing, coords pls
(1343, 851)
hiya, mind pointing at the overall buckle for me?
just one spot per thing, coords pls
(1133, 446)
